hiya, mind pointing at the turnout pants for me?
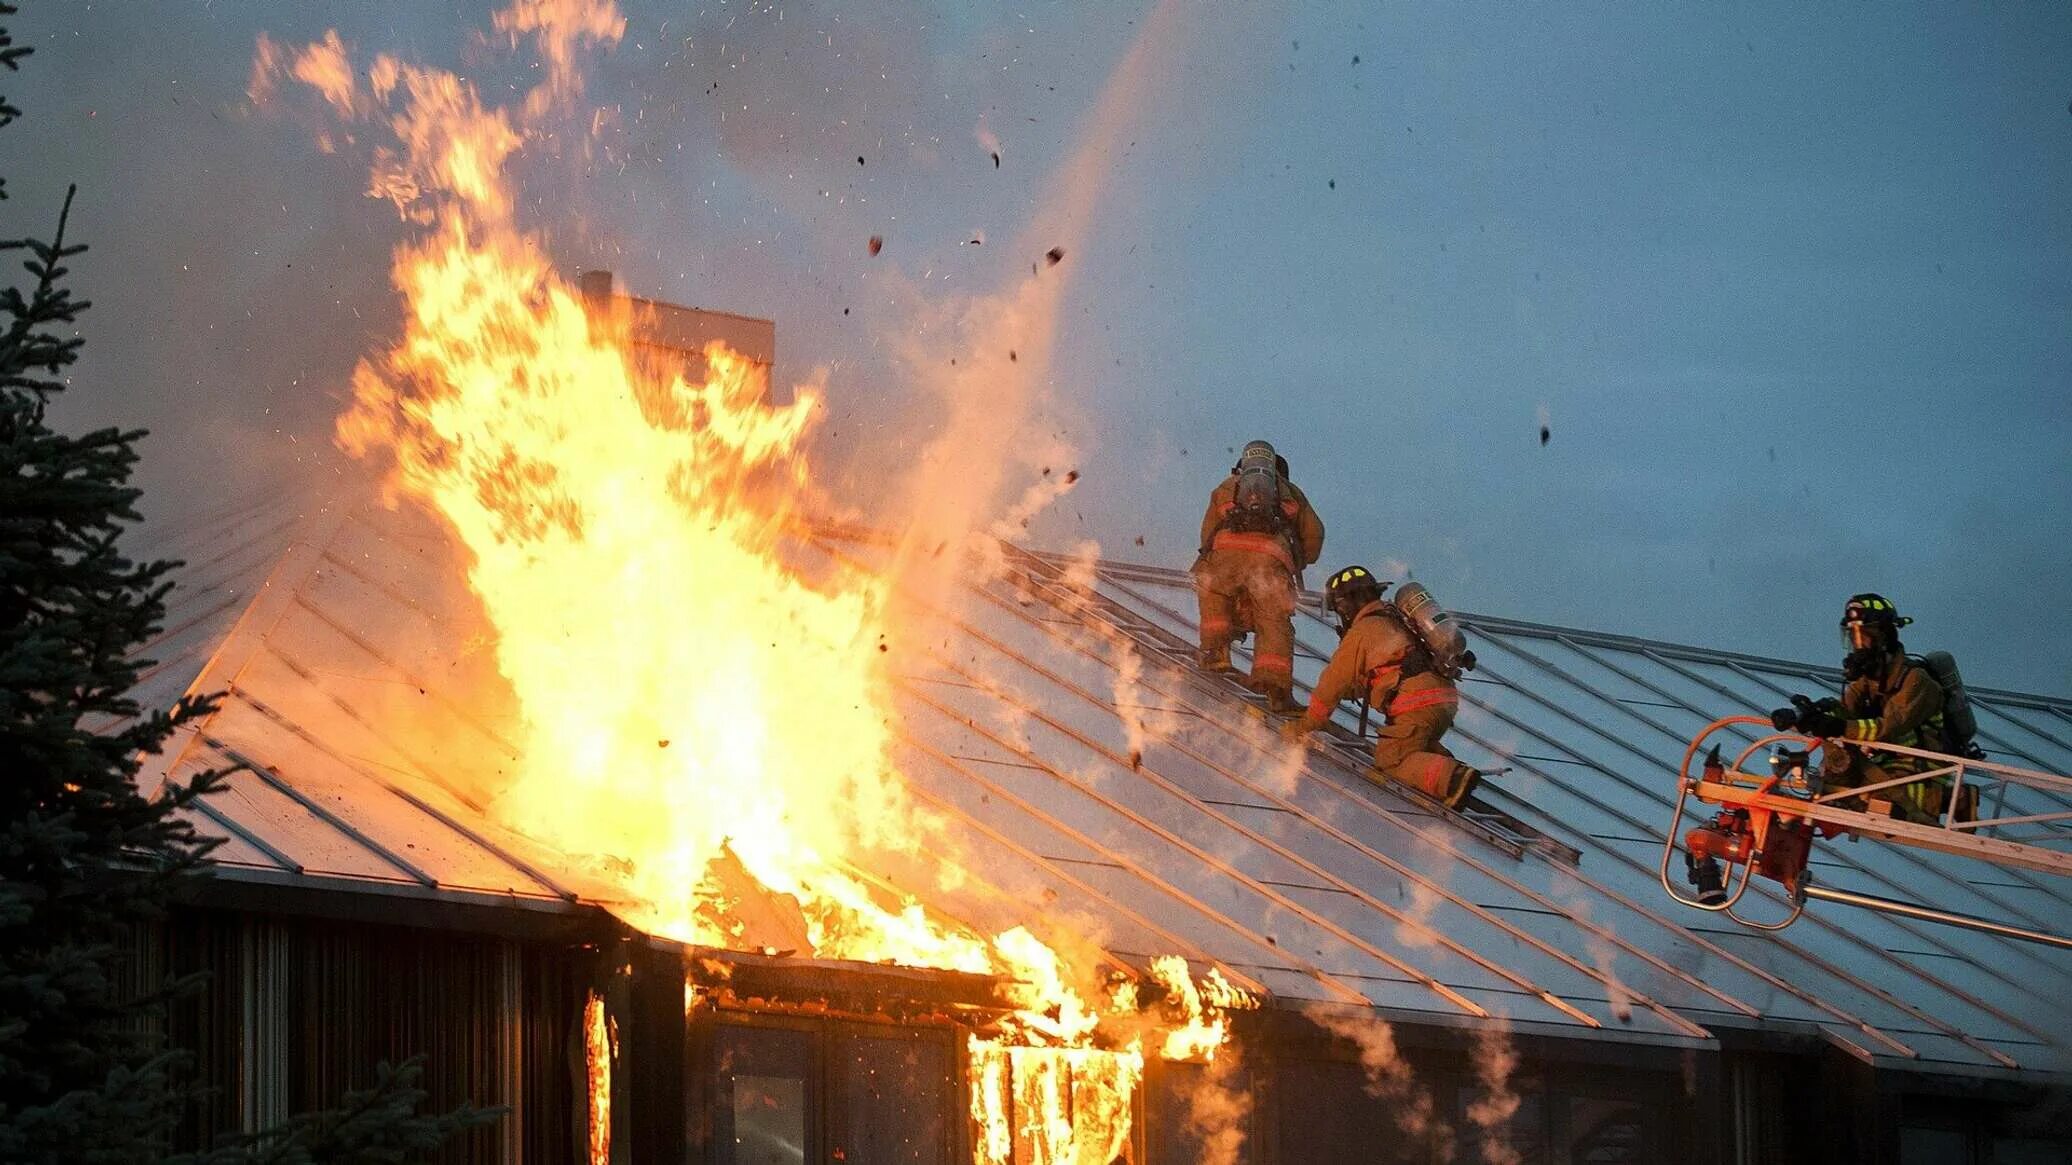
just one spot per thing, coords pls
(1220, 578)
(1409, 749)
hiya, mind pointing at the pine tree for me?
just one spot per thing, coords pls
(85, 858)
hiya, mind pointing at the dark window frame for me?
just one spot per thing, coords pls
(708, 1103)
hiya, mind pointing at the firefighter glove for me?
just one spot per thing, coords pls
(1818, 721)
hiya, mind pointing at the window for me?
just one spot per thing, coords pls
(1526, 1135)
(1326, 1115)
(766, 1098)
(785, 1093)
(891, 1100)
(1607, 1132)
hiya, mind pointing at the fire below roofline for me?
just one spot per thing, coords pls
(743, 981)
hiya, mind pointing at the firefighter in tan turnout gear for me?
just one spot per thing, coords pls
(1404, 657)
(1258, 534)
(1890, 697)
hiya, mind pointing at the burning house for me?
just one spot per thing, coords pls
(1502, 984)
(594, 760)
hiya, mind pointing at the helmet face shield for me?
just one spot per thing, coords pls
(1860, 636)
(1870, 623)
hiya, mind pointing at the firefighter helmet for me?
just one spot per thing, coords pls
(1870, 622)
(1348, 590)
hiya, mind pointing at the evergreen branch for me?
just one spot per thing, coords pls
(28, 344)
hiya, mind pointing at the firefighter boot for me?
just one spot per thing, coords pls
(1460, 783)
(1216, 660)
(1280, 701)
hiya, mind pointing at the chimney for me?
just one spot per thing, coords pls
(596, 287)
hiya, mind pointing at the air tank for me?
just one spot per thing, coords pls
(1430, 621)
(1258, 483)
(1956, 713)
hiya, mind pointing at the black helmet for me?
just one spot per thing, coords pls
(1348, 590)
(1871, 622)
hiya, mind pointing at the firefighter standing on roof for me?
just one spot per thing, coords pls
(1886, 697)
(1382, 655)
(1258, 534)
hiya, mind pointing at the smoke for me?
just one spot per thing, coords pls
(1495, 1059)
(1141, 722)
(1290, 758)
(1051, 484)
(1389, 1077)
(1414, 928)
(1219, 1109)
(1605, 957)
(1391, 1080)
(985, 362)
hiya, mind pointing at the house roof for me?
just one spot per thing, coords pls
(1208, 837)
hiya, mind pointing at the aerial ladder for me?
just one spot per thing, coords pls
(1767, 823)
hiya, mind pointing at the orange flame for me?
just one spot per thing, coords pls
(699, 721)
(600, 1045)
(1202, 1022)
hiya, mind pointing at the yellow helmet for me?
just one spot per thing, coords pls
(1349, 589)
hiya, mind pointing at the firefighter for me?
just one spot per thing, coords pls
(1886, 697)
(1382, 657)
(1257, 535)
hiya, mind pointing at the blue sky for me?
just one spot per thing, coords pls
(1792, 283)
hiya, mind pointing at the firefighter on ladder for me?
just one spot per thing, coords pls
(1887, 697)
(1258, 534)
(1381, 656)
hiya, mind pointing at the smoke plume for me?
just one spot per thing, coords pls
(1491, 1112)
(1389, 1077)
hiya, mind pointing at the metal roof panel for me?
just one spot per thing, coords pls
(1214, 840)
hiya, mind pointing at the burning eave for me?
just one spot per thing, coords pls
(881, 992)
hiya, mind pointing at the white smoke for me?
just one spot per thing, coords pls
(1219, 1106)
(1389, 1077)
(1495, 1060)
(1605, 957)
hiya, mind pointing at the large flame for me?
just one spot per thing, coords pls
(699, 720)
(683, 691)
